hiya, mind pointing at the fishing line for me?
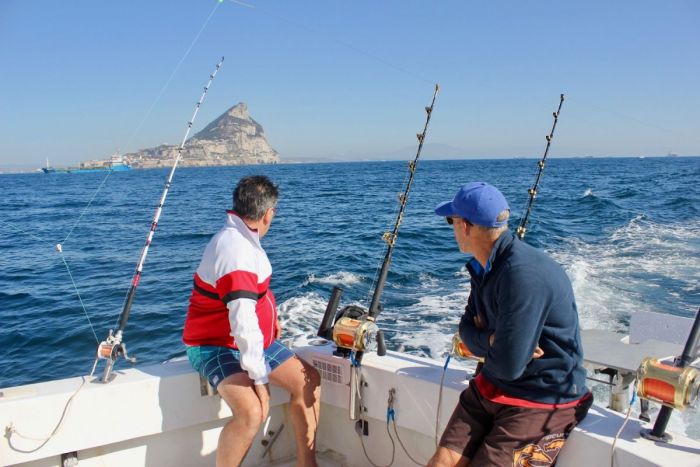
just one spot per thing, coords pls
(639, 121)
(532, 192)
(172, 75)
(482, 83)
(148, 113)
(156, 216)
(389, 223)
(26, 233)
(113, 347)
(308, 28)
(109, 172)
(59, 248)
(63, 258)
(390, 237)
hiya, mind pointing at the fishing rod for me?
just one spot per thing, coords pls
(458, 346)
(353, 329)
(112, 347)
(532, 192)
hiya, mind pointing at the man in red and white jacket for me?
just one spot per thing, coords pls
(231, 329)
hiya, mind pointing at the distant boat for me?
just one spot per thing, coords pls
(671, 154)
(50, 170)
(116, 163)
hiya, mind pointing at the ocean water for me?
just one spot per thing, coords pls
(626, 230)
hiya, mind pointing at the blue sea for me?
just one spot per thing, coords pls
(626, 230)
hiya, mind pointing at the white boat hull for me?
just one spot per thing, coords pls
(156, 415)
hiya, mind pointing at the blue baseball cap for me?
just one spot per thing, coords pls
(477, 202)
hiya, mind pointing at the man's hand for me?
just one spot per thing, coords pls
(278, 329)
(464, 350)
(263, 393)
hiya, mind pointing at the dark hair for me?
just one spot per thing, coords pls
(253, 196)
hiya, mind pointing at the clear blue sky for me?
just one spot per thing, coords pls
(78, 78)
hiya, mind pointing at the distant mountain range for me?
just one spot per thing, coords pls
(234, 138)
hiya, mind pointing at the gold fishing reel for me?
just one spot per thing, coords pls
(460, 349)
(669, 385)
(359, 335)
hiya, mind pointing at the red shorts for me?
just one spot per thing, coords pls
(489, 433)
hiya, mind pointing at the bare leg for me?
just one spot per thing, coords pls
(238, 434)
(304, 385)
(444, 457)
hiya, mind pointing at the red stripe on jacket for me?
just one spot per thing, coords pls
(207, 320)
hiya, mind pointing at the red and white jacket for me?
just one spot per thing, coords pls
(231, 304)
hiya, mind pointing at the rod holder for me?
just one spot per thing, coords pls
(381, 345)
(326, 327)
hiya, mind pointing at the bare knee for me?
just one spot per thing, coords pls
(308, 391)
(249, 418)
(312, 378)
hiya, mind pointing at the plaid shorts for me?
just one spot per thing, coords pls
(217, 363)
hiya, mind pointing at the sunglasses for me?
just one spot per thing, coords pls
(450, 220)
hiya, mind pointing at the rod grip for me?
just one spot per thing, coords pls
(326, 327)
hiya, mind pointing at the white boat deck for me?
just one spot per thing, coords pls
(156, 415)
(324, 459)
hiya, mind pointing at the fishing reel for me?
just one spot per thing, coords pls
(352, 329)
(110, 350)
(460, 349)
(672, 386)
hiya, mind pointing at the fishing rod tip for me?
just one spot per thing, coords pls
(561, 96)
(437, 87)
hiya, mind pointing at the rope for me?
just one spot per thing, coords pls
(11, 430)
(622, 427)
(404, 447)
(361, 418)
(439, 404)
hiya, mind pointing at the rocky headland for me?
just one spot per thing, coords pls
(234, 138)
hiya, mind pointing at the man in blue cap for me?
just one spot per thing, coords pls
(521, 318)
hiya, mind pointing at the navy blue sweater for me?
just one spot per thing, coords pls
(525, 299)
